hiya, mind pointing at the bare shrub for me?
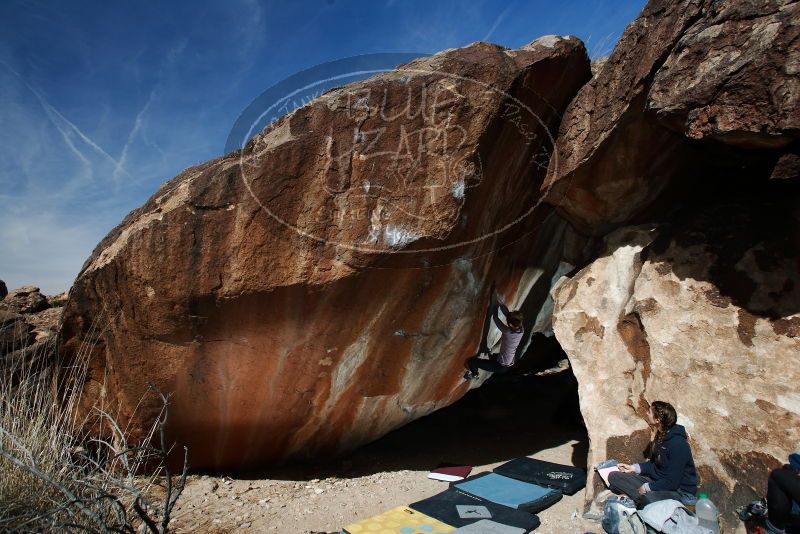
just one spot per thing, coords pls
(57, 476)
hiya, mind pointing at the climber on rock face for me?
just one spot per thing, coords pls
(512, 332)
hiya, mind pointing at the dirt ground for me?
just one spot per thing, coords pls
(508, 417)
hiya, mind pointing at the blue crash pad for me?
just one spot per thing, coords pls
(509, 492)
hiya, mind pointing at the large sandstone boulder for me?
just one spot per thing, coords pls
(692, 123)
(703, 313)
(697, 95)
(324, 285)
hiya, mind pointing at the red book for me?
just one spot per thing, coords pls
(450, 472)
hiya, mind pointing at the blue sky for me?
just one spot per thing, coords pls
(101, 102)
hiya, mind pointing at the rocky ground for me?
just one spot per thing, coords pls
(489, 426)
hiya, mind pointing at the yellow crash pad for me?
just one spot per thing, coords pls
(401, 520)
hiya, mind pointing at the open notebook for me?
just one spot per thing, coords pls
(605, 471)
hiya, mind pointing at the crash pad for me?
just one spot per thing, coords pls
(487, 526)
(457, 508)
(509, 492)
(400, 520)
(565, 478)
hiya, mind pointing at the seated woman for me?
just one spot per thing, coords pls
(783, 493)
(669, 472)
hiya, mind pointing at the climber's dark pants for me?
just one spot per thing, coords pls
(783, 488)
(629, 484)
(491, 365)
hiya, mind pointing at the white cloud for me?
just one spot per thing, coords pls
(41, 248)
(138, 122)
(497, 22)
(602, 46)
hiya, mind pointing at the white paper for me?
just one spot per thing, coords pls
(604, 472)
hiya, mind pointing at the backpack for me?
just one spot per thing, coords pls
(620, 517)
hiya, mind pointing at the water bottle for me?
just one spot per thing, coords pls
(707, 513)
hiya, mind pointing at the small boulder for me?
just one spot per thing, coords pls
(15, 333)
(58, 301)
(22, 291)
(26, 320)
(8, 316)
(32, 355)
(45, 322)
(26, 299)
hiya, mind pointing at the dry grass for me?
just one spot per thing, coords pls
(57, 477)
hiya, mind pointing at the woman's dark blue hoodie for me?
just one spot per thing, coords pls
(672, 467)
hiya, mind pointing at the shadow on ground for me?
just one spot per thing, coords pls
(507, 417)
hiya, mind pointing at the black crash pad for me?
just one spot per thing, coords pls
(564, 478)
(459, 509)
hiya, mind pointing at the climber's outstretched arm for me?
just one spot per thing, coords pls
(503, 307)
(503, 327)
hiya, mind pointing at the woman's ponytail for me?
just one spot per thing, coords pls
(666, 417)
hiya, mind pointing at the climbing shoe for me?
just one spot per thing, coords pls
(470, 376)
(754, 510)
